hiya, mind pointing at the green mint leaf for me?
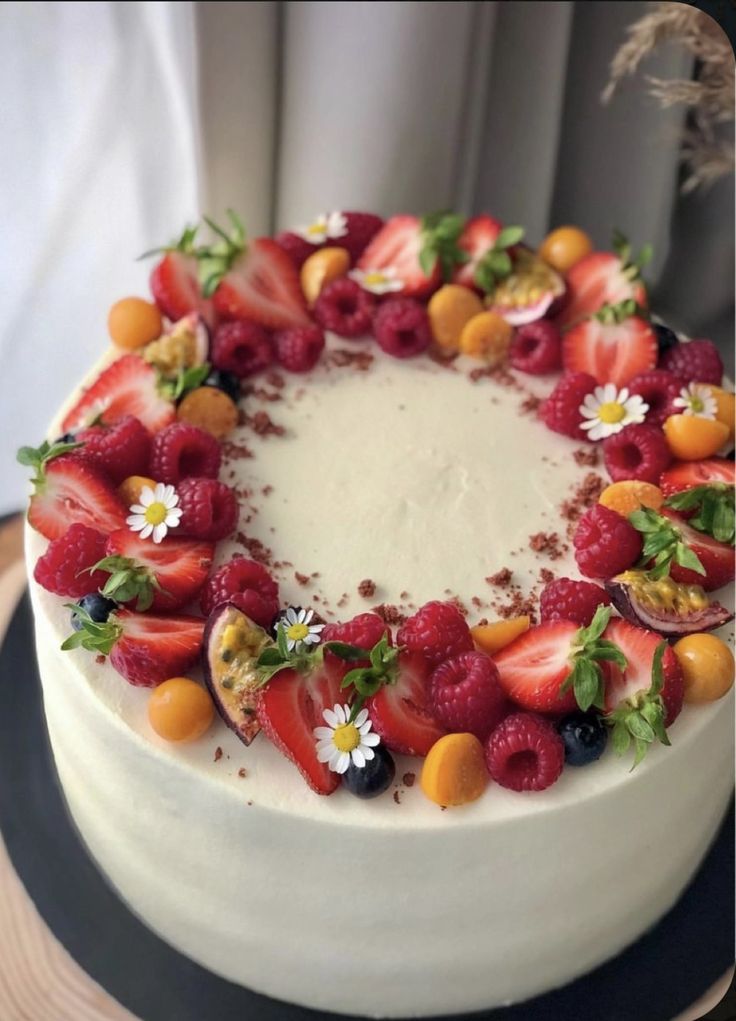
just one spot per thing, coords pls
(427, 260)
(190, 379)
(640, 729)
(685, 557)
(93, 635)
(722, 525)
(349, 653)
(282, 641)
(620, 739)
(500, 263)
(270, 657)
(586, 684)
(508, 236)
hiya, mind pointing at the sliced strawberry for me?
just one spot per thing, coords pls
(127, 387)
(716, 557)
(478, 237)
(290, 706)
(638, 646)
(69, 490)
(262, 285)
(172, 571)
(152, 648)
(176, 290)
(361, 229)
(689, 474)
(533, 668)
(400, 711)
(599, 279)
(612, 353)
(397, 246)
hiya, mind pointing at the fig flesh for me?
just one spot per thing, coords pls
(664, 606)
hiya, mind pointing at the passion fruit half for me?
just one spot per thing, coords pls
(664, 606)
(232, 645)
(529, 291)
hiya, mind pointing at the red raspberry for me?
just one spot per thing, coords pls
(465, 695)
(637, 452)
(121, 449)
(295, 247)
(210, 509)
(361, 229)
(345, 308)
(605, 543)
(63, 567)
(401, 327)
(364, 631)
(537, 348)
(180, 451)
(248, 585)
(658, 388)
(695, 362)
(525, 753)
(437, 631)
(561, 411)
(564, 599)
(241, 347)
(299, 349)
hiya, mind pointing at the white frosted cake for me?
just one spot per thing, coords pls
(467, 876)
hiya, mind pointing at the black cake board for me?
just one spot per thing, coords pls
(653, 980)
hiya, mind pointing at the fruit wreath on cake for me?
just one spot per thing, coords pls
(134, 495)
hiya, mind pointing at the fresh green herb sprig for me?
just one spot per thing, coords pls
(714, 509)
(641, 718)
(186, 244)
(611, 315)
(632, 265)
(367, 680)
(277, 656)
(95, 636)
(38, 457)
(496, 264)
(186, 380)
(439, 242)
(589, 650)
(216, 259)
(129, 580)
(663, 544)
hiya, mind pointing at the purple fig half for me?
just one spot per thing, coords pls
(664, 606)
(231, 647)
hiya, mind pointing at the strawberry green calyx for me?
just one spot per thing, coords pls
(128, 580)
(496, 264)
(663, 544)
(186, 380)
(587, 652)
(367, 680)
(276, 657)
(186, 244)
(440, 234)
(641, 718)
(38, 457)
(611, 315)
(215, 260)
(93, 635)
(632, 265)
(714, 506)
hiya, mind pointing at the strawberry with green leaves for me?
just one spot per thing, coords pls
(614, 345)
(684, 475)
(479, 236)
(672, 546)
(604, 278)
(129, 386)
(175, 281)
(710, 507)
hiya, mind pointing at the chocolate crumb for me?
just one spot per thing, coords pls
(397, 799)
(234, 451)
(408, 779)
(342, 359)
(530, 405)
(100, 659)
(262, 424)
(546, 576)
(547, 543)
(301, 579)
(389, 614)
(586, 457)
(501, 579)
(276, 380)
(218, 753)
(267, 490)
(367, 588)
(242, 772)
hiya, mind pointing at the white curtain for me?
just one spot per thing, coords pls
(121, 121)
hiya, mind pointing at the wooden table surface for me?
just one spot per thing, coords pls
(39, 981)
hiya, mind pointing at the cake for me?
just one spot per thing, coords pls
(405, 440)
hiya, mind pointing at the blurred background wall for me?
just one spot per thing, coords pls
(121, 121)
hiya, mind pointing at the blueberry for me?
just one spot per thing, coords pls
(375, 777)
(228, 382)
(666, 338)
(98, 607)
(584, 736)
(66, 438)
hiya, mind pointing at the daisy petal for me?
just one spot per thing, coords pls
(343, 762)
(146, 497)
(340, 713)
(324, 754)
(323, 733)
(371, 740)
(146, 530)
(358, 757)
(159, 532)
(330, 717)
(361, 718)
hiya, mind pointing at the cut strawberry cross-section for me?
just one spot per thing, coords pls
(604, 278)
(130, 386)
(175, 280)
(400, 711)
(614, 345)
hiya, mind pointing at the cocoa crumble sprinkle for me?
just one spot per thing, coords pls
(443, 360)
(397, 799)
(276, 380)
(234, 451)
(585, 457)
(482, 622)
(100, 659)
(255, 547)
(404, 594)
(501, 578)
(262, 424)
(546, 576)
(301, 579)
(389, 614)
(498, 374)
(408, 779)
(519, 606)
(218, 753)
(267, 490)
(367, 588)
(342, 359)
(548, 543)
(530, 405)
(584, 496)
(476, 601)
(242, 772)
(262, 394)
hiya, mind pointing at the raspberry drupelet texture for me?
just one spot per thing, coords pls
(121, 449)
(181, 451)
(63, 568)
(437, 631)
(695, 362)
(565, 599)
(465, 695)
(299, 349)
(525, 753)
(561, 411)
(364, 631)
(658, 388)
(536, 348)
(401, 327)
(209, 509)
(241, 347)
(344, 308)
(247, 585)
(295, 247)
(637, 452)
(605, 543)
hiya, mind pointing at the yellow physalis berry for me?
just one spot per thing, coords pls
(180, 710)
(449, 310)
(630, 495)
(210, 409)
(707, 667)
(454, 771)
(130, 488)
(726, 408)
(563, 247)
(491, 638)
(693, 439)
(133, 322)
(320, 268)
(486, 336)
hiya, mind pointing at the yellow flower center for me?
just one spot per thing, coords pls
(374, 278)
(346, 737)
(316, 228)
(696, 403)
(297, 632)
(611, 412)
(155, 513)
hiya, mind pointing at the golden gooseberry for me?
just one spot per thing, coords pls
(133, 322)
(180, 710)
(565, 246)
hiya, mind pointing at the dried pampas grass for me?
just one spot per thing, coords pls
(707, 146)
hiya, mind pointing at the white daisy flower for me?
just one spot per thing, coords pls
(608, 410)
(697, 400)
(326, 225)
(342, 742)
(300, 634)
(377, 281)
(156, 513)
